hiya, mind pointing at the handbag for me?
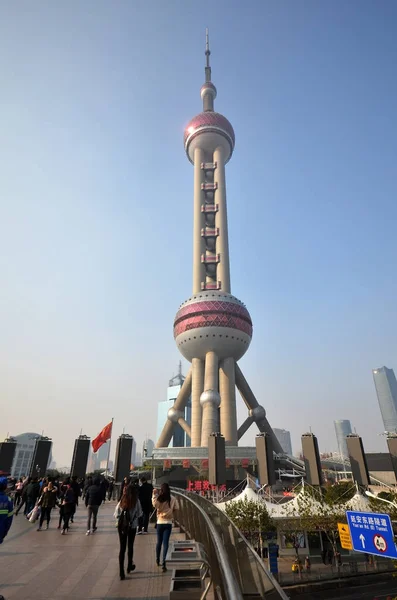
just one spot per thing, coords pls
(34, 515)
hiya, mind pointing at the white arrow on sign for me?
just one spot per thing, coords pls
(362, 538)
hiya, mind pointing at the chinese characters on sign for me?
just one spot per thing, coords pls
(203, 486)
(371, 523)
(372, 533)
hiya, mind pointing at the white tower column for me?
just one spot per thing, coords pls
(198, 242)
(222, 242)
(210, 399)
(227, 389)
(197, 390)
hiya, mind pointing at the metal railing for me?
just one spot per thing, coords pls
(236, 569)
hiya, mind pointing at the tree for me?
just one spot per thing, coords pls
(339, 493)
(379, 506)
(252, 519)
(312, 513)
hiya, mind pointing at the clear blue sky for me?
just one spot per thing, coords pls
(96, 206)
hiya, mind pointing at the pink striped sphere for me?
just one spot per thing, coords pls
(213, 321)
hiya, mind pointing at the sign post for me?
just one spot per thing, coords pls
(344, 536)
(372, 533)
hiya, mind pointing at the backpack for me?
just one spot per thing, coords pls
(124, 521)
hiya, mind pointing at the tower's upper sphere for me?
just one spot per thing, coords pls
(213, 321)
(208, 131)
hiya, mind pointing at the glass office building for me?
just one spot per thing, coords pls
(284, 437)
(343, 428)
(180, 438)
(386, 390)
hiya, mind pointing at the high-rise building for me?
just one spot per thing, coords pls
(212, 329)
(343, 428)
(97, 458)
(179, 438)
(24, 453)
(133, 453)
(147, 448)
(386, 390)
(284, 437)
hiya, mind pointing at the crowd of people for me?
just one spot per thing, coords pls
(138, 504)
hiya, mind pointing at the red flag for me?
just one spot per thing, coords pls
(103, 437)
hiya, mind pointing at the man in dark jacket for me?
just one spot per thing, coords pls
(145, 498)
(93, 500)
(6, 510)
(32, 493)
(75, 486)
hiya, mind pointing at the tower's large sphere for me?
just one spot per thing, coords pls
(208, 131)
(213, 321)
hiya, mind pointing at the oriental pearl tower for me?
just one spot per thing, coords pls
(212, 329)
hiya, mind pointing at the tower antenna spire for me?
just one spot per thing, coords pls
(207, 54)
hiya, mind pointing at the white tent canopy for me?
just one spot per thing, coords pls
(303, 499)
(292, 508)
(359, 503)
(248, 494)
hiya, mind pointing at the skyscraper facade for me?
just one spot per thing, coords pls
(133, 453)
(147, 448)
(213, 328)
(96, 459)
(284, 437)
(179, 438)
(343, 428)
(386, 390)
(24, 453)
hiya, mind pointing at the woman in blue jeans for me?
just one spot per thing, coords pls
(166, 505)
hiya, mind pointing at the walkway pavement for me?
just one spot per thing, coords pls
(48, 566)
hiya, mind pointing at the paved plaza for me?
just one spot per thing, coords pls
(48, 566)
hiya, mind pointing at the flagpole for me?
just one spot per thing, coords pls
(110, 441)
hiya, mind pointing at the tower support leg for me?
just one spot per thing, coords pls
(197, 390)
(244, 427)
(176, 412)
(210, 399)
(256, 411)
(227, 390)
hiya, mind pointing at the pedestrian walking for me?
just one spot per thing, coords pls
(166, 505)
(6, 510)
(145, 498)
(18, 492)
(93, 500)
(128, 512)
(308, 564)
(24, 498)
(66, 508)
(32, 494)
(110, 490)
(47, 502)
(104, 488)
(76, 489)
(87, 484)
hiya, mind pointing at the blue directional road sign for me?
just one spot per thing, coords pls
(372, 533)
